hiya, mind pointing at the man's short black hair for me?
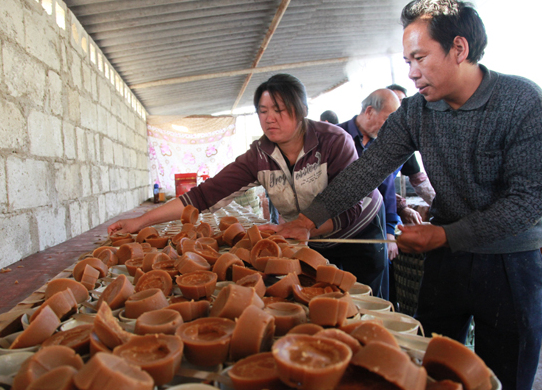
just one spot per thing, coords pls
(397, 87)
(448, 19)
(330, 117)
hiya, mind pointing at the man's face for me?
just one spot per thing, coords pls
(432, 70)
(375, 119)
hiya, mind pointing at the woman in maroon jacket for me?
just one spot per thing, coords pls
(294, 161)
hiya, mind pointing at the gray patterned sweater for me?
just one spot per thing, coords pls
(484, 162)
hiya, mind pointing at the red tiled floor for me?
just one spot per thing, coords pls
(32, 272)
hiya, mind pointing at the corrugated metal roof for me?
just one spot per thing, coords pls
(183, 57)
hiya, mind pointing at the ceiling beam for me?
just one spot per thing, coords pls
(240, 72)
(272, 28)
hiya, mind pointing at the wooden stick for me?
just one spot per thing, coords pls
(352, 240)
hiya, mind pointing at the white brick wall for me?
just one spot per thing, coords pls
(74, 108)
(112, 206)
(75, 219)
(95, 179)
(104, 176)
(85, 223)
(107, 149)
(87, 84)
(15, 239)
(12, 126)
(86, 186)
(122, 133)
(69, 141)
(3, 191)
(28, 182)
(73, 152)
(24, 75)
(94, 213)
(88, 113)
(67, 181)
(45, 132)
(94, 85)
(11, 20)
(112, 127)
(41, 38)
(51, 226)
(75, 69)
(118, 155)
(91, 152)
(54, 96)
(97, 148)
(102, 212)
(103, 116)
(114, 180)
(104, 92)
(81, 144)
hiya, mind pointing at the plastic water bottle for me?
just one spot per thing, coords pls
(156, 193)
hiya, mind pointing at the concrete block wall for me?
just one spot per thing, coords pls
(73, 143)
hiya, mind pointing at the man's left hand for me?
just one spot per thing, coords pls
(421, 238)
(298, 229)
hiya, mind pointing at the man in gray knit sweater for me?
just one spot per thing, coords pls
(480, 136)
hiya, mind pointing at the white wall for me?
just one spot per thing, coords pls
(73, 145)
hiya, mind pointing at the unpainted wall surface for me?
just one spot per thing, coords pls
(73, 150)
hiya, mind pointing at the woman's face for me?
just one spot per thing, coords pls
(276, 122)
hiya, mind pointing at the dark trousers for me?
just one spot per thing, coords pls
(368, 262)
(502, 292)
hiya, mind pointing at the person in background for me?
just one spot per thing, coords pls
(330, 117)
(479, 133)
(400, 91)
(363, 128)
(294, 160)
(418, 179)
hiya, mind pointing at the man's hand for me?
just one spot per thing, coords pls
(410, 216)
(298, 229)
(393, 251)
(421, 238)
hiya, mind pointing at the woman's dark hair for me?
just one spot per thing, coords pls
(291, 91)
(448, 19)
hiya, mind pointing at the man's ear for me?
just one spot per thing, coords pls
(369, 111)
(461, 46)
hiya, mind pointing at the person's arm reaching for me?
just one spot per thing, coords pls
(170, 211)
(418, 179)
(298, 229)
(356, 181)
(422, 187)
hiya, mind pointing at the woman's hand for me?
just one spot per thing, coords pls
(169, 211)
(124, 226)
